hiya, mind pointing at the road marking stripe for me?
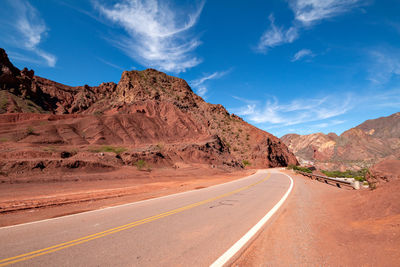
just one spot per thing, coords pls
(85, 239)
(232, 251)
(127, 204)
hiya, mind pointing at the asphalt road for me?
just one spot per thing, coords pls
(188, 229)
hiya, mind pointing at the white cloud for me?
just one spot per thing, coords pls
(202, 91)
(50, 59)
(156, 35)
(328, 124)
(215, 75)
(384, 65)
(110, 64)
(249, 109)
(305, 116)
(307, 13)
(275, 36)
(388, 99)
(301, 54)
(198, 84)
(298, 111)
(310, 11)
(30, 30)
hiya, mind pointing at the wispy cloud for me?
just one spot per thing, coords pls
(379, 100)
(110, 64)
(247, 110)
(306, 13)
(275, 36)
(302, 54)
(297, 111)
(328, 124)
(311, 11)
(199, 85)
(29, 30)
(156, 35)
(305, 116)
(384, 65)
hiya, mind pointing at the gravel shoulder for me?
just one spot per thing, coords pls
(321, 225)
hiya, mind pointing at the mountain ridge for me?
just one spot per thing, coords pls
(156, 117)
(359, 147)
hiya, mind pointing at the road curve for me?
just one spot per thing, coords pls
(187, 229)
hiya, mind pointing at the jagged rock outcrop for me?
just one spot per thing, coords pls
(145, 109)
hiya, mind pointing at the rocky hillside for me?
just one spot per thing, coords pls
(359, 147)
(387, 170)
(148, 115)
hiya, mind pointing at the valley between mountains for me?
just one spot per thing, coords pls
(65, 150)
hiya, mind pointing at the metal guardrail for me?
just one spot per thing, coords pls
(339, 182)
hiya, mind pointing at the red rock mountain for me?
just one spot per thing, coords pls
(359, 147)
(151, 116)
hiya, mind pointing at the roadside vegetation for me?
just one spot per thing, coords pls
(30, 130)
(357, 175)
(50, 149)
(116, 150)
(142, 165)
(299, 168)
(246, 163)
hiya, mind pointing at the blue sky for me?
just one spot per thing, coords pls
(286, 66)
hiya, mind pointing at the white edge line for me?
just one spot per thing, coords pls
(128, 204)
(246, 238)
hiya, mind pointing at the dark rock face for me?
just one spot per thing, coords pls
(145, 107)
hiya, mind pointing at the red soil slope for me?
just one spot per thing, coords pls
(148, 120)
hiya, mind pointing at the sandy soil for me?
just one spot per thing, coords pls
(321, 225)
(26, 202)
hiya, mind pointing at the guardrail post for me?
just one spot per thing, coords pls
(356, 185)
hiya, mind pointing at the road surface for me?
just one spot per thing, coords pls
(187, 229)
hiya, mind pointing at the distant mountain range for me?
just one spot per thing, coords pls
(358, 147)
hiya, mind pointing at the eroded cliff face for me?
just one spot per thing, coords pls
(358, 147)
(387, 170)
(157, 117)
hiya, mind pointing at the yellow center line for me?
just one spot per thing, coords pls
(87, 238)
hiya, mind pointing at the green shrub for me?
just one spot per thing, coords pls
(291, 167)
(50, 149)
(116, 150)
(140, 164)
(303, 169)
(357, 175)
(246, 163)
(299, 168)
(30, 130)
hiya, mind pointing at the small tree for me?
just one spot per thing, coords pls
(140, 164)
(246, 163)
(30, 130)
